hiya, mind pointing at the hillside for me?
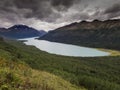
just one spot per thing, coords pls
(20, 31)
(100, 73)
(18, 75)
(98, 34)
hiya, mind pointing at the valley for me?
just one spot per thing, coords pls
(59, 44)
(90, 73)
(27, 67)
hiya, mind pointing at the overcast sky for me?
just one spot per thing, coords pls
(51, 14)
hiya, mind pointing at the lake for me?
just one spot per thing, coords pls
(64, 49)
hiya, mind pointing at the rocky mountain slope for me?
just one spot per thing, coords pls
(100, 34)
(20, 31)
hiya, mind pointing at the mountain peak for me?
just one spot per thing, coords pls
(20, 27)
(21, 31)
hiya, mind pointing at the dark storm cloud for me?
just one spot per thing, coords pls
(39, 8)
(56, 11)
(114, 9)
(46, 9)
(43, 8)
(63, 4)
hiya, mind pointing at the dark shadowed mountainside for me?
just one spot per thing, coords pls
(20, 31)
(98, 34)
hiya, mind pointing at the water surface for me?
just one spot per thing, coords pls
(64, 49)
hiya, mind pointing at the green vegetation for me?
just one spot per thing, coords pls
(112, 52)
(97, 73)
(16, 75)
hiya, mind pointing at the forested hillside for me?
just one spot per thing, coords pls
(98, 34)
(18, 74)
(98, 73)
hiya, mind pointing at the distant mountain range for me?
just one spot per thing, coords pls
(20, 31)
(100, 34)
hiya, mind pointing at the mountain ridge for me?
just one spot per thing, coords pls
(92, 24)
(21, 31)
(97, 34)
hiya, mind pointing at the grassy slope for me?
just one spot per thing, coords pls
(101, 73)
(112, 52)
(16, 75)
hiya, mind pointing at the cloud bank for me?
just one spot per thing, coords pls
(51, 14)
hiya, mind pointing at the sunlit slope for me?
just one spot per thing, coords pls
(18, 76)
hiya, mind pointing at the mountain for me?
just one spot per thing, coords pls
(98, 34)
(94, 25)
(20, 31)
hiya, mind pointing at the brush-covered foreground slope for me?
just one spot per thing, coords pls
(99, 34)
(16, 75)
(21, 31)
(100, 73)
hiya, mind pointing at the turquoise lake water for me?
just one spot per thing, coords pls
(64, 49)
